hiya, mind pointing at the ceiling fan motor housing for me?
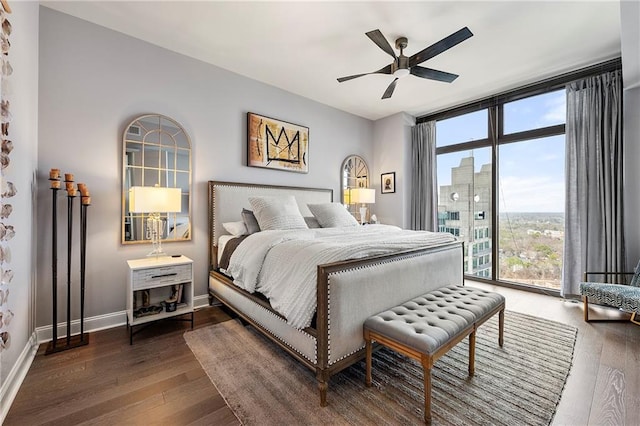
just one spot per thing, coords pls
(400, 67)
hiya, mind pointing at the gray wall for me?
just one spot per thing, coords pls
(93, 81)
(630, 26)
(392, 153)
(631, 108)
(23, 132)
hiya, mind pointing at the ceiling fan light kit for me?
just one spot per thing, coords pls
(403, 65)
(401, 72)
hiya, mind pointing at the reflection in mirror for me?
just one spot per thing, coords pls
(354, 174)
(156, 152)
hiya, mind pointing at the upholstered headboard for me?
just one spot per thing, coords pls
(227, 199)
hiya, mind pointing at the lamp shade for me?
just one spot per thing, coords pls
(363, 195)
(154, 199)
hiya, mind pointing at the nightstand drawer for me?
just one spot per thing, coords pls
(161, 276)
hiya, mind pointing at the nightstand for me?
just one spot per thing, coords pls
(159, 288)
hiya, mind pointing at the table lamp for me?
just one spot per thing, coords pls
(155, 200)
(363, 196)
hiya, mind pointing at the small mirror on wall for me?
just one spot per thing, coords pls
(156, 152)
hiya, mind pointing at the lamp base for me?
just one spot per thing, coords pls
(157, 253)
(156, 229)
(363, 215)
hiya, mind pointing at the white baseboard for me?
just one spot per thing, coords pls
(101, 322)
(201, 301)
(16, 376)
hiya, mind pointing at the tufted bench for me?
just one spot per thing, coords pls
(426, 327)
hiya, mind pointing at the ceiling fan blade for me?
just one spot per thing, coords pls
(439, 47)
(390, 89)
(351, 77)
(432, 74)
(385, 70)
(379, 39)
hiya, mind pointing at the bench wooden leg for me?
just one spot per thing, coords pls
(367, 378)
(472, 353)
(586, 308)
(501, 328)
(427, 389)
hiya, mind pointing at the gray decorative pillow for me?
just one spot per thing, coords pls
(277, 213)
(250, 221)
(332, 215)
(312, 222)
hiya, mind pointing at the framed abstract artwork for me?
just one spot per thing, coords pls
(388, 182)
(277, 144)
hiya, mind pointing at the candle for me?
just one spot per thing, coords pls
(69, 186)
(68, 177)
(55, 184)
(83, 189)
(71, 192)
(54, 174)
(86, 200)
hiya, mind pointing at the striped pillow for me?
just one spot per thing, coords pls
(332, 215)
(277, 213)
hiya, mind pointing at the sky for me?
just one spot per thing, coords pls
(531, 173)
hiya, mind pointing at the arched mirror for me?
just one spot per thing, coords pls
(156, 152)
(354, 174)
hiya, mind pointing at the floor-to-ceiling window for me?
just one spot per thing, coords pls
(501, 186)
(531, 190)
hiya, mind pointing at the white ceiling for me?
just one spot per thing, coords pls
(302, 47)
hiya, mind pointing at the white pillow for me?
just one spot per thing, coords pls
(235, 228)
(332, 215)
(277, 213)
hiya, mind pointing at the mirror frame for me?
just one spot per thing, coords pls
(172, 138)
(361, 181)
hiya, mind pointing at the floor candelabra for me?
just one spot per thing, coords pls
(69, 341)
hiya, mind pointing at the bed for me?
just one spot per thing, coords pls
(347, 291)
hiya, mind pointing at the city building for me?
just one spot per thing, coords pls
(464, 210)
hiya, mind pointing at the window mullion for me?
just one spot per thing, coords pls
(542, 132)
(465, 146)
(496, 115)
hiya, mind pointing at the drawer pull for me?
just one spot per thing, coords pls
(164, 275)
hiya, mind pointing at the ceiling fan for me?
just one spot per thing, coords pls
(403, 65)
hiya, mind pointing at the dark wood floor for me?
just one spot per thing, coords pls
(156, 381)
(159, 381)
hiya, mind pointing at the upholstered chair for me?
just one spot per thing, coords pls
(625, 297)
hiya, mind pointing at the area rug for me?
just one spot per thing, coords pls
(518, 384)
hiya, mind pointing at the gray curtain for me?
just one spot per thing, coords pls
(594, 228)
(424, 184)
